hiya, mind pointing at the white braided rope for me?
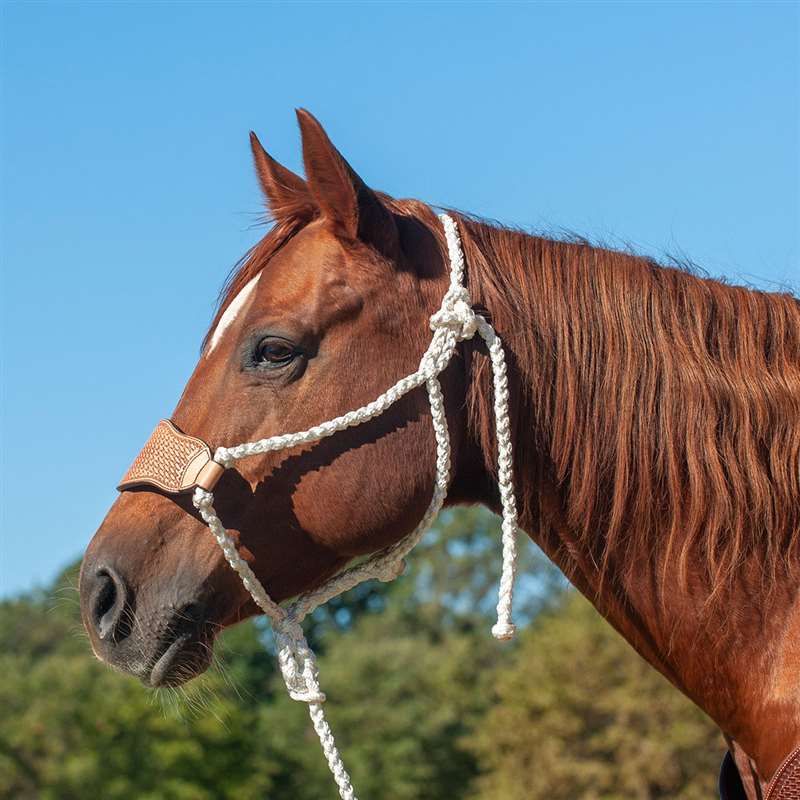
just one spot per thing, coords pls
(455, 321)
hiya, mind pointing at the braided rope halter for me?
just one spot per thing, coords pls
(455, 321)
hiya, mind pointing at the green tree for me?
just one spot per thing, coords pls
(578, 714)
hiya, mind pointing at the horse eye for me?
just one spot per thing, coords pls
(275, 352)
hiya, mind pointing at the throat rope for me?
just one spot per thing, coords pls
(455, 321)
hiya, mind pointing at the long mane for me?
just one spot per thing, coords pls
(663, 407)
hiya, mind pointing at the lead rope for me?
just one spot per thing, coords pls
(454, 322)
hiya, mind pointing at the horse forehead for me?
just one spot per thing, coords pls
(305, 267)
(302, 276)
(312, 256)
(232, 312)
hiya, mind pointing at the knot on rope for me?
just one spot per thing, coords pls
(297, 664)
(456, 314)
(504, 630)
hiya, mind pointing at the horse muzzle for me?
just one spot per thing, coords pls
(146, 597)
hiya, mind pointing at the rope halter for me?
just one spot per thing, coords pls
(173, 462)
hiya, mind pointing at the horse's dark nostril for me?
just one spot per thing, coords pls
(192, 614)
(108, 603)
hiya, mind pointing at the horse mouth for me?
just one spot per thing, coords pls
(179, 661)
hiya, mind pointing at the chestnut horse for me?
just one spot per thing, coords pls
(655, 417)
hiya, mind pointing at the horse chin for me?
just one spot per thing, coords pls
(186, 648)
(178, 661)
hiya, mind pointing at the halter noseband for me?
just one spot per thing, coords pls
(175, 462)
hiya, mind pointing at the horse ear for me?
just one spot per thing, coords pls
(351, 207)
(286, 194)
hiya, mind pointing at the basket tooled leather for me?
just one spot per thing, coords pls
(786, 783)
(173, 462)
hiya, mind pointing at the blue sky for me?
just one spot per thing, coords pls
(127, 189)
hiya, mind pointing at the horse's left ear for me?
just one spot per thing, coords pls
(346, 202)
(286, 193)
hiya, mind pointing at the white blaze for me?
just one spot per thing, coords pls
(231, 312)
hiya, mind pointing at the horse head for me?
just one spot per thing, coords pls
(329, 309)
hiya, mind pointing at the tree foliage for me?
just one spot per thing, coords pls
(423, 702)
(579, 714)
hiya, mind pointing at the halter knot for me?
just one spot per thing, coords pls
(456, 314)
(297, 664)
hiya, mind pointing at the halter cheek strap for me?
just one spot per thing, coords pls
(173, 462)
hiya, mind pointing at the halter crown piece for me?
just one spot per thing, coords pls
(175, 462)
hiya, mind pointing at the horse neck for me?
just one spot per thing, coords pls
(657, 435)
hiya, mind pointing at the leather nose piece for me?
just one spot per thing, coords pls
(173, 462)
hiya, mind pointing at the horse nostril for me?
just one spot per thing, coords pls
(110, 596)
(192, 616)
